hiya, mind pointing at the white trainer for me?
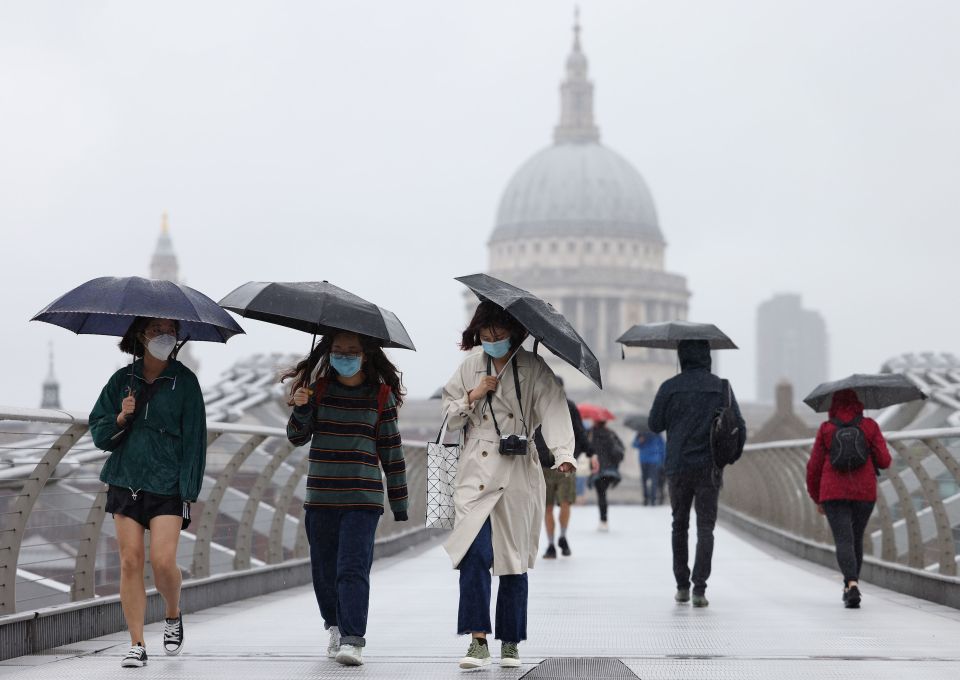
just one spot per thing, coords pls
(334, 645)
(603, 528)
(350, 655)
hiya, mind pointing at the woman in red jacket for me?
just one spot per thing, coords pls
(847, 497)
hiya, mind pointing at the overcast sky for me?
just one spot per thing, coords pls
(805, 146)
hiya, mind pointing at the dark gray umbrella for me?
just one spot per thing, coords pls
(637, 421)
(316, 307)
(540, 319)
(668, 334)
(874, 391)
(109, 304)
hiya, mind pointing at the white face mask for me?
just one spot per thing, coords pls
(161, 346)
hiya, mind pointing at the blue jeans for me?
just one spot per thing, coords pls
(651, 482)
(475, 580)
(341, 554)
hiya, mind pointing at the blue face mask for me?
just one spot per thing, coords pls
(345, 365)
(497, 349)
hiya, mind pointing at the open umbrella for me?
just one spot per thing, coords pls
(668, 334)
(595, 413)
(108, 305)
(540, 319)
(316, 307)
(637, 421)
(873, 390)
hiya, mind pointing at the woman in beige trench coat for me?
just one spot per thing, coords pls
(499, 498)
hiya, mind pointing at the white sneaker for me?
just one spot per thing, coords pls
(135, 658)
(350, 655)
(603, 528)
(334, 645)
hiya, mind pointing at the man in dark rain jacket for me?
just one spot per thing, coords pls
(685, 406)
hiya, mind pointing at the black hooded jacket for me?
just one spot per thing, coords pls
(686, 404)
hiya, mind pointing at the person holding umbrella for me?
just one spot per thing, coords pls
(345, 395)
(848, 453)
(606, 450)
(500, 396)
(687, 408)
(150, 417)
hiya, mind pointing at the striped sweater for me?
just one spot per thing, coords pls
(349, 447)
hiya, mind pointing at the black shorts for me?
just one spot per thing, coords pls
(145, 506)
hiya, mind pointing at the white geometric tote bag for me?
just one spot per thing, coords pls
(442, 462)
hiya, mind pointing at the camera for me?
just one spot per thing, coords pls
(513, 445)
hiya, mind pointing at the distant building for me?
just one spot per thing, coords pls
(792, 345)
(164, 266)
(577, 226)
(51, 387)
(784, 424)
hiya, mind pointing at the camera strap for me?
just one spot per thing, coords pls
(516, 385)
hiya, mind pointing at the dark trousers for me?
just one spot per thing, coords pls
(652, 490)
(475, 581)
(699, 488)
(341, 554)
(601, 486)
(848, 522)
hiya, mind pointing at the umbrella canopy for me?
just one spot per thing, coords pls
(873, 390)
(594, 412)
(540, 319)
(637, 421)
(108, 305)
(316, 307)
(668, 334)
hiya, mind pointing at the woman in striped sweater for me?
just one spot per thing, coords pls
(345, 397)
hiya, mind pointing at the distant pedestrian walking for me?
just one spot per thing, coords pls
(685, 407)
(500, 396)
(349, 414)
(651, 453)
(150, 417)
(607, 451)
(561, 486)
(842, 480)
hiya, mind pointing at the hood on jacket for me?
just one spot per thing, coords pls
(845, 405)
(694, 354)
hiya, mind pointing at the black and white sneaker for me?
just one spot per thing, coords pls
(136, 657)
(173, 635)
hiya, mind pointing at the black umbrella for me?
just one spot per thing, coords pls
(316, 307)
(874, 391)
(637, 421)
(540, 319)
(108, 305)
(668, 334)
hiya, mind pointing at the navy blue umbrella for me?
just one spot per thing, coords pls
(108, 305)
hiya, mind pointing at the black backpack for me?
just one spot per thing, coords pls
(725, 432)
(848, 448)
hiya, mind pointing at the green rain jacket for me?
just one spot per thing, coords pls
(165, 451)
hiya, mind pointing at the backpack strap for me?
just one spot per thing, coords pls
(383, 394)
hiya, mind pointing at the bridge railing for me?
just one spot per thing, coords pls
(55, 546)
(917, 519)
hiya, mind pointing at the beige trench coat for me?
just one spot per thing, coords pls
(508, 489)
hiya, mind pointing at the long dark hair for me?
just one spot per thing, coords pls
(130, 343)
(488, 315)
(377, 368)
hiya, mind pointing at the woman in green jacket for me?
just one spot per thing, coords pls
(153, 424)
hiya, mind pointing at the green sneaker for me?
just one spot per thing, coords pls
(683, 595)
(509, 655)
(700, 600)
(478, 655)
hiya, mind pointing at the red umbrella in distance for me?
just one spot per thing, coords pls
(594, 412)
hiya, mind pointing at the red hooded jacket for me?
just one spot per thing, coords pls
(824, 483)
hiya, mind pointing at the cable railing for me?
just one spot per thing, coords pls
(55, 546)
(916, 523)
